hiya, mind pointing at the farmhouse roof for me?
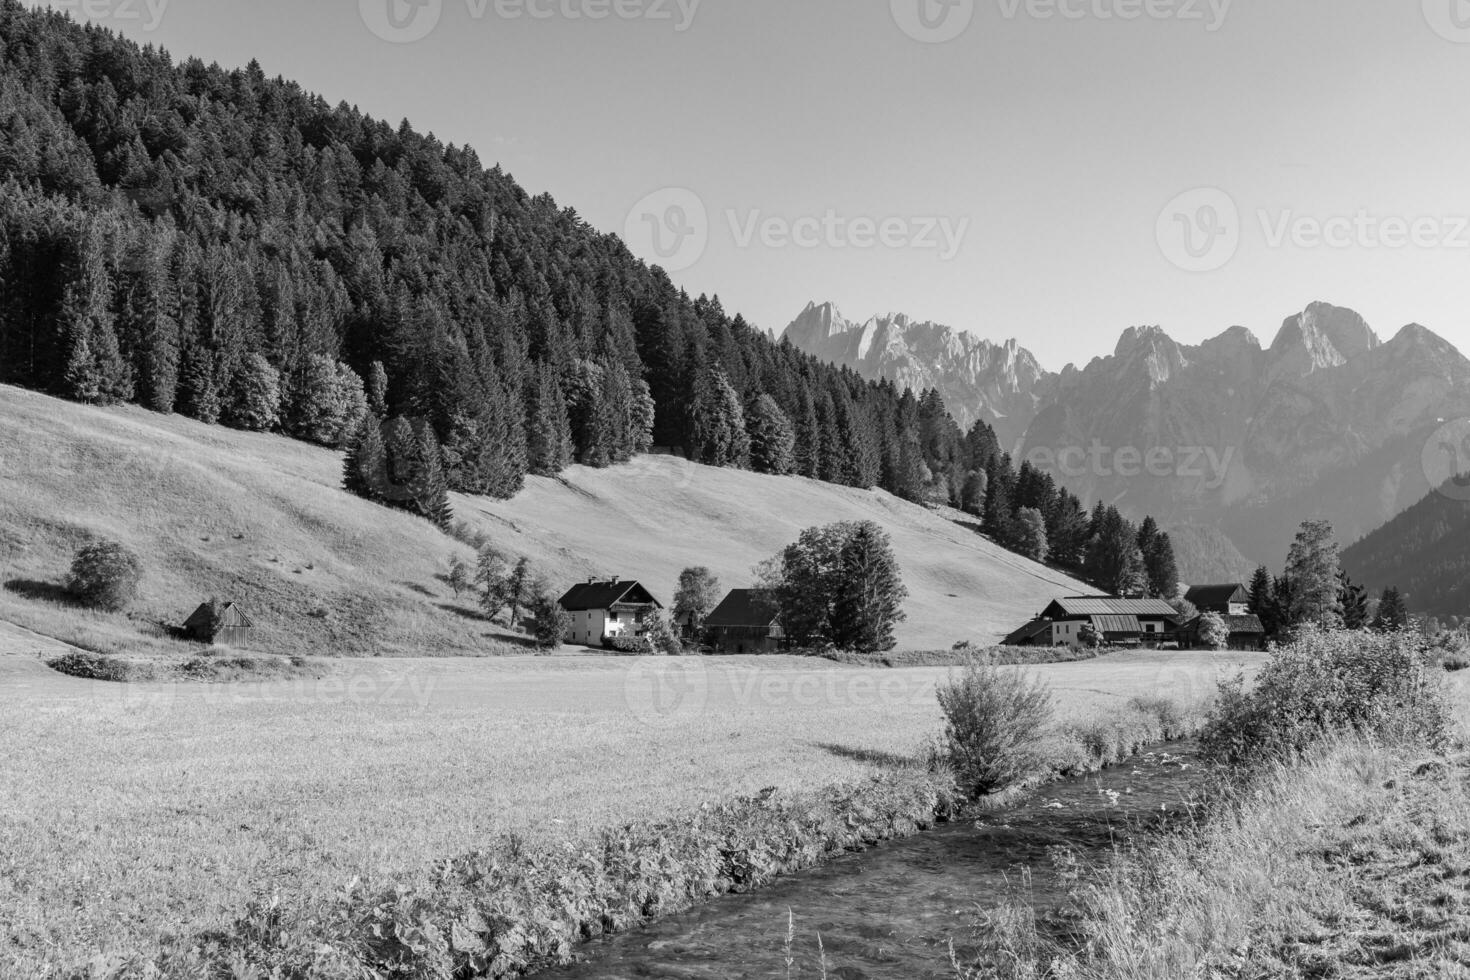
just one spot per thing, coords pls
(744, 607)
(231, 616)
(1027, 633)
(1117, 624)
(605, 595)
(1081, 606)
(1237, 625)
(1214, 596)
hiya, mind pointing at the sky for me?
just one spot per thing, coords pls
(1049, 170)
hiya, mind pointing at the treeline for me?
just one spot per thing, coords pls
(1028, 512)
(1314, 590)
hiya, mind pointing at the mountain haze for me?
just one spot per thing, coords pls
(1329, 420)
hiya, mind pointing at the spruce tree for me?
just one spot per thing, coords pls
(1263, 601)
(868, 604)
(1354, 601)
(365, 468)
(428, 487)
(772, 438)
(1160, 565)
(549, 435)
(717, 423)
(1313, 568)
(377, 390)
(1393, 612)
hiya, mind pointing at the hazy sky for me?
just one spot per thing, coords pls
(839, 152)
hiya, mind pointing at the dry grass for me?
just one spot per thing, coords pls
(260, 519)
(1353, 862)
(131, 812)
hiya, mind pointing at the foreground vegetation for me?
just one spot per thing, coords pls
(1339, 844)
(224, 810)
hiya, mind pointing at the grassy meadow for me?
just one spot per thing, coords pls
(136, 811)
(260, 519)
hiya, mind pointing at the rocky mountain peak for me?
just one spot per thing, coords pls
(1321, 337)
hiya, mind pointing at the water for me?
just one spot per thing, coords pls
(891, 912)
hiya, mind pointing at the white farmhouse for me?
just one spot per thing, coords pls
(601, 611)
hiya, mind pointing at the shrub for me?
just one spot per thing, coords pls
(100, 667)
(664, 639)
(995, 723)
(105, 575)
(1378, 685)
(640, 646)
(550, 623)
(1213, 632)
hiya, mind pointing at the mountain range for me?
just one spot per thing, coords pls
(1231, 442)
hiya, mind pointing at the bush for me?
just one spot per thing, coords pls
(995, 724)
(640, 646)
(664, 639)
(1377, 685)
(100, 667)
(105, 575)
(550, 623)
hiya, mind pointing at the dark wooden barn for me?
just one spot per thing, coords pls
(746, 622)
(223, 624)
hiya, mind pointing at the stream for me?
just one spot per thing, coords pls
(892, 911)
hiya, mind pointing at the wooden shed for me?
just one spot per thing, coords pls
(224, 624)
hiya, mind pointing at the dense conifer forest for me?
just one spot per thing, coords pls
(224, 245)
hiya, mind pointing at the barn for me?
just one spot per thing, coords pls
(746, 622)
(223, 624)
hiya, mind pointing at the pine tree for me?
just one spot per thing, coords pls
(589, 421)
(429, 489)
(1263, 601)
(1354, 601)
(365, 468)
(199, 395)
(1160, 565)
(377, 390)
(772, 438)
(717, 423)
(869, 592)
(1313, 568)
(96, 372)
(1393, 612)
(549, 436)
(972, 498)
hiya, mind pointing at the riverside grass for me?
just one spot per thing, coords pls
(1349, 857)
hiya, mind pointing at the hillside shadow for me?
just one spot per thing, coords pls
(41, 591)
(873, 757)
(472, 615)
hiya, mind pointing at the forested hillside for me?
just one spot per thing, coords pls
(1423, 552)
(229, 247)
(226, 246)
